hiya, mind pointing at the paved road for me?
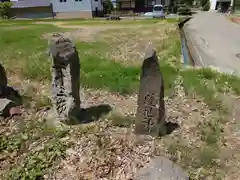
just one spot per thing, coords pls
(215, 41)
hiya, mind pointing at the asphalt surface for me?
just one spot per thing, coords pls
(214, 41)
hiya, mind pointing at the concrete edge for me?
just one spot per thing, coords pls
(193, 48)
(191, 43)
(198, 53)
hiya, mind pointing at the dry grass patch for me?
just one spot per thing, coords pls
(235, 20)
(127, 45)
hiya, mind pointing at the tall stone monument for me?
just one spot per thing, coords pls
(150, 118)
(10, 99)
(3, 80)
(65, 78)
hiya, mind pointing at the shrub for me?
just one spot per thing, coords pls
(205, 5)
(107, 7)
(5, 9)
(184, 10)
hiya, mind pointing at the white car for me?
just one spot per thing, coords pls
(157, 12)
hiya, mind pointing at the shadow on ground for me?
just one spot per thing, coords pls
(170, 127)
(91, 114)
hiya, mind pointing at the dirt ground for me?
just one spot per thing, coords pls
(187, 113)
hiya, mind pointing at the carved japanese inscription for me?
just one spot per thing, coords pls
(65, 78)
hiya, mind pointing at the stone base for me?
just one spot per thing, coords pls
(8, 108)
(3, 105)
(161, 168)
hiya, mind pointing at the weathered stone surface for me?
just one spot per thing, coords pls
(10, 100)
(9, 108)
(161, 168)
(65, 78)
(4, 102)
(14, 111)
(3, 79)
(151, 108)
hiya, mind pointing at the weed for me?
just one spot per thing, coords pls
(211, 131)
(42, 102)
(37, 162)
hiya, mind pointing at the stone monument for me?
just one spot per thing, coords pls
(10, 99)
(3, 79)
(150, 118)
(65, 78)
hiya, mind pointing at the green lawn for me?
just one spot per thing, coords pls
(24, 51)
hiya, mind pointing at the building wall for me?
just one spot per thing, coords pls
(77, 14)
(33, 12)
(97, 4)
(77, 8)
(163, 2)
(153, 2)
(213, 4)
(141, 6)
(67, 6)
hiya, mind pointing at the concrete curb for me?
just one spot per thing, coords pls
(200, 47)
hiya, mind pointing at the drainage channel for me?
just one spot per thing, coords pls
(187, 57)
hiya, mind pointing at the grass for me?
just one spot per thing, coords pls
(32, 149)
(85, 22)
(28, 52)
(123, 22)
(201, 161)
(23, 52)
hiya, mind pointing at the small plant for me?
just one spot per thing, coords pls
(33, 162)
(37, 162)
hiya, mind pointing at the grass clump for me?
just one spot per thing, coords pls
(102, 73)
(33, 149)
(36, 163)
(202, 158)
(201, 162)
